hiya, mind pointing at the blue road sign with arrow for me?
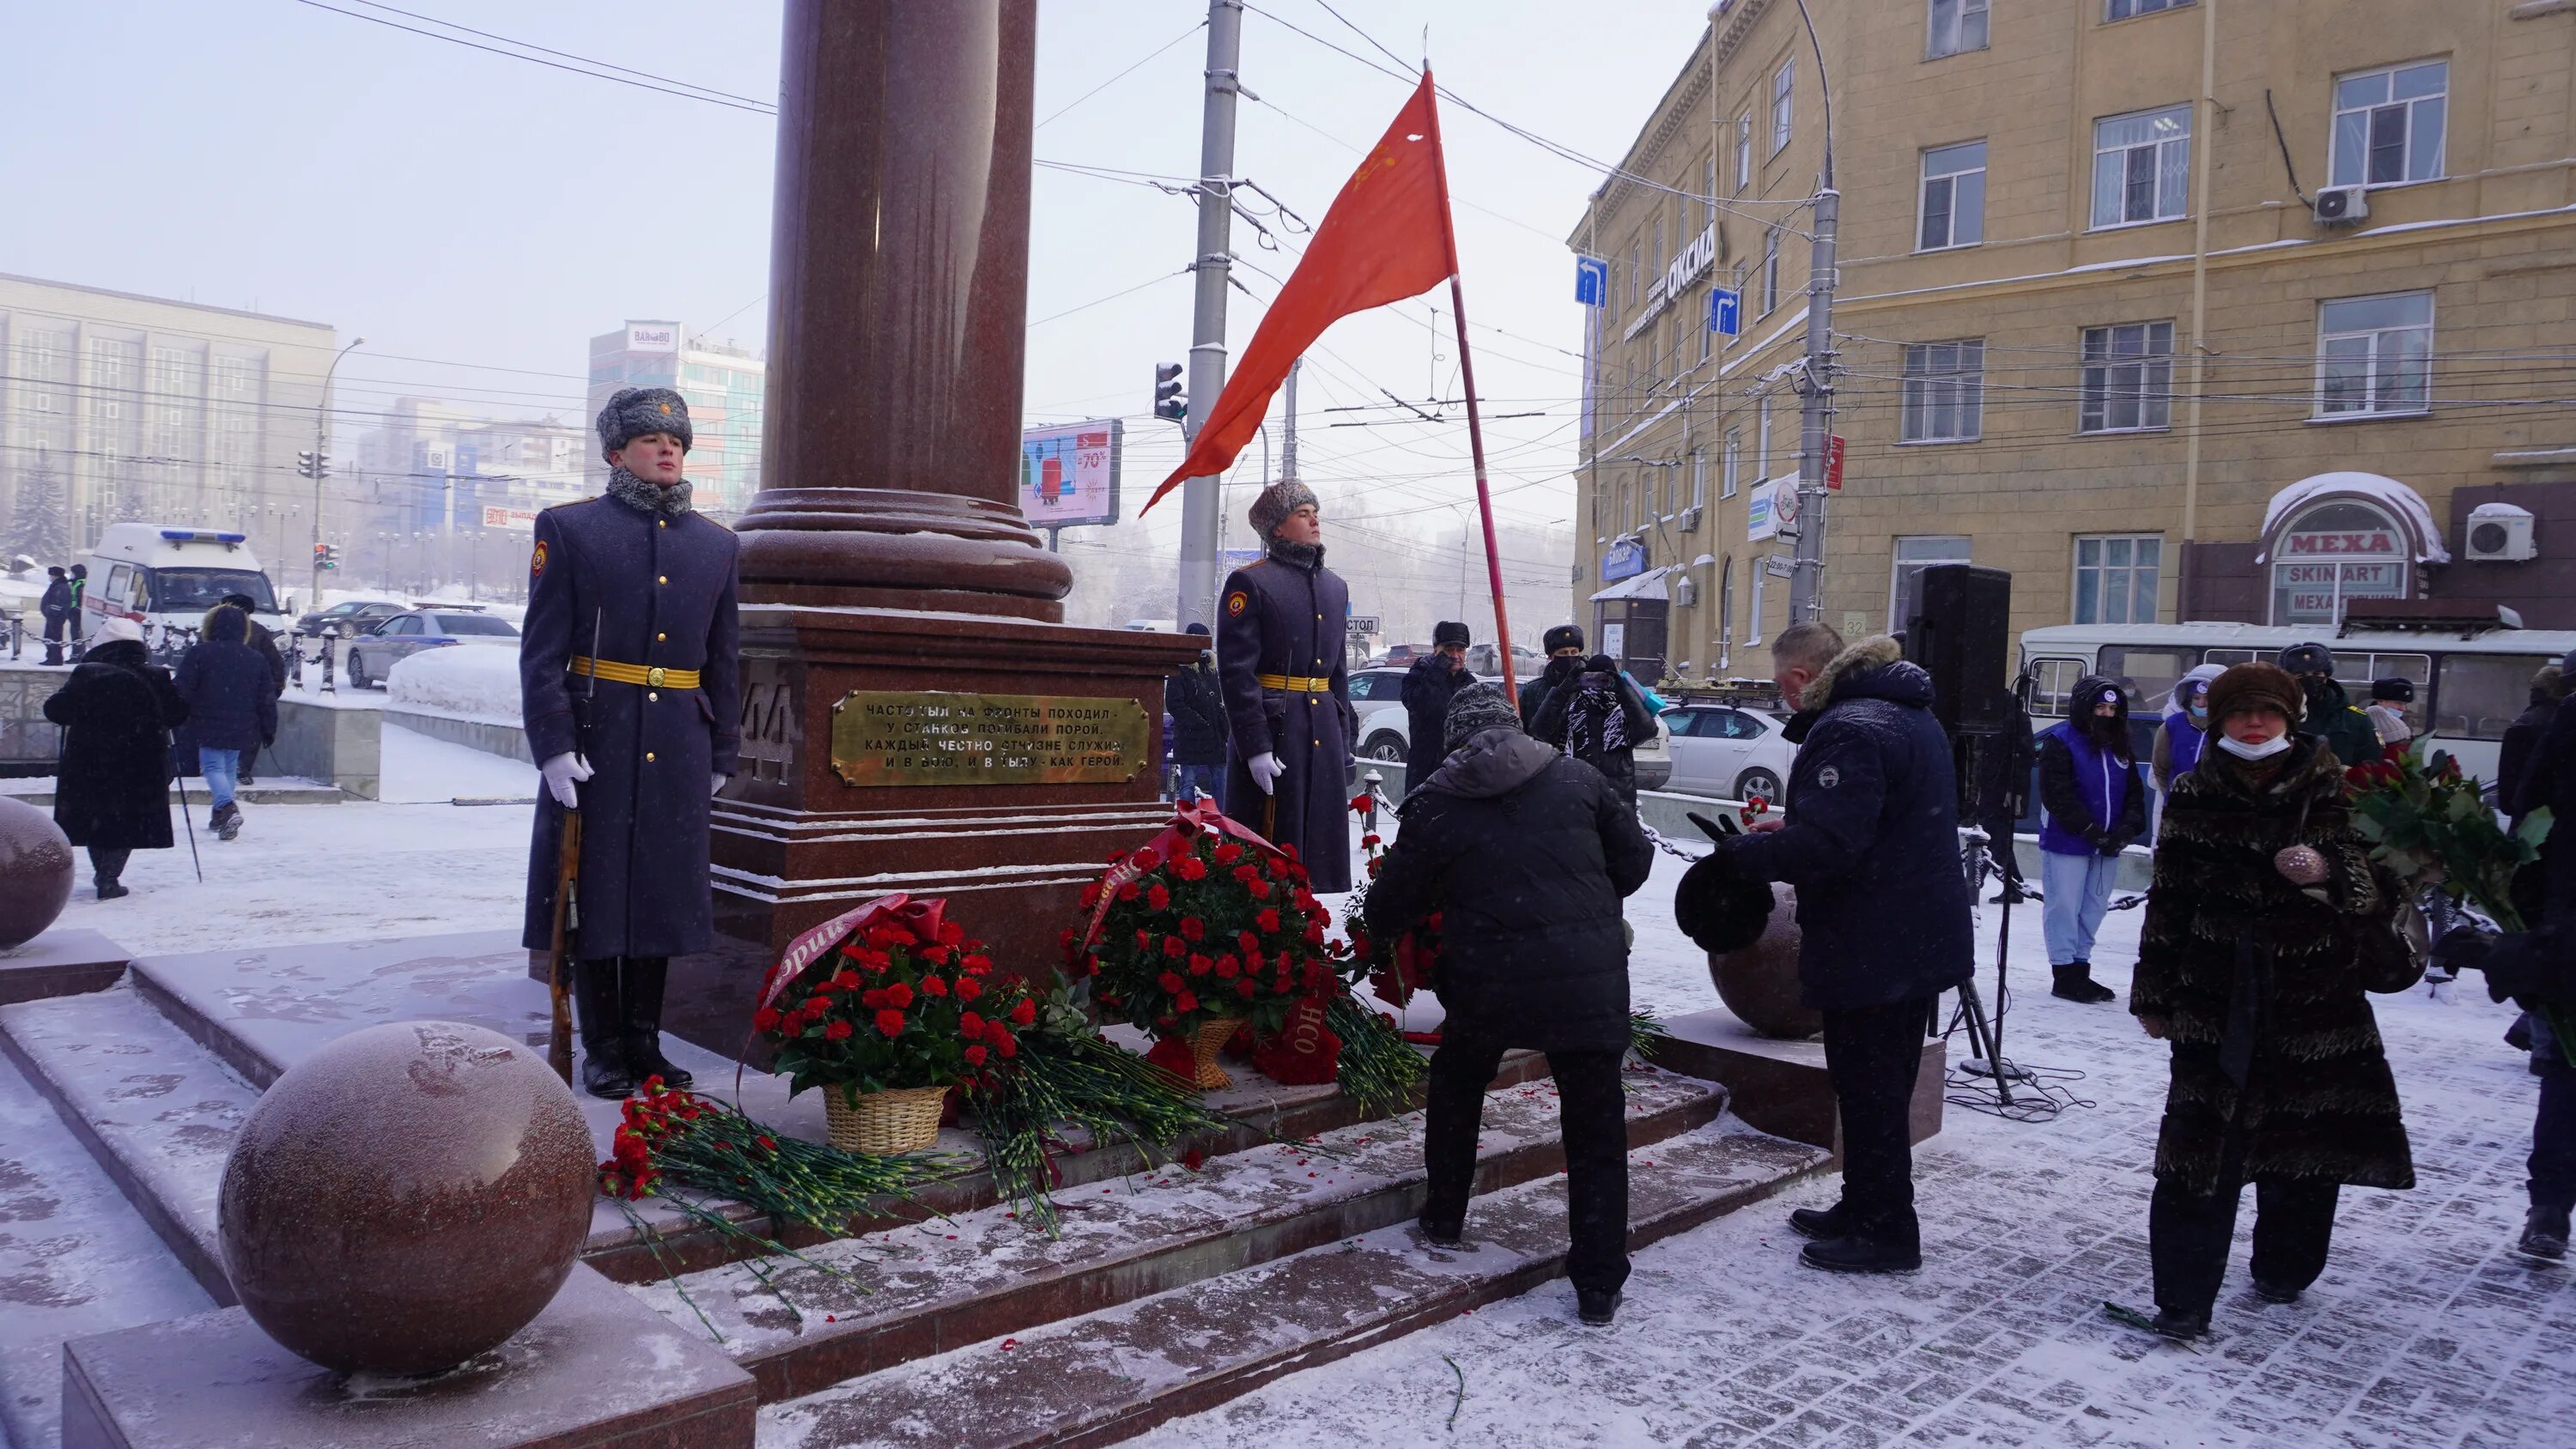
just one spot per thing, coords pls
(1591, 281)
(1724, 309)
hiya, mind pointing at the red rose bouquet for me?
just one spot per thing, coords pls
(2429, 825)
(900, 1002)
(1204, 931)
(1394, 967)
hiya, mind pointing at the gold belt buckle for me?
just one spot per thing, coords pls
(653, 676)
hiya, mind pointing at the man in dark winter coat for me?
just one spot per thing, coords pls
(112, 793)
(2096, 805)
(2522, 739)
(230, 709)
(57, 608)
(1870, 839)
(263, 640)
(1281, 629)
(1526, 855)
(2003, 786)
(1599, 718)
(1428, 686)
(631, 605)
(2247, 964)
(1564, 645)
(1196, 702)
(2332, 716)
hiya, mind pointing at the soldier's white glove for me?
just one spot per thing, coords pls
(562, 773)
(716, 784)
(1266, 770)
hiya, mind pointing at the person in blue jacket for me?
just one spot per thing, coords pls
(2095, 805)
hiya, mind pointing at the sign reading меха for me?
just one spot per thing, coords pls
(890, 737)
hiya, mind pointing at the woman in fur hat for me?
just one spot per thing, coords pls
(2247, 966)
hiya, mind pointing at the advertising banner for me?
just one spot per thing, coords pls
(1069, 473)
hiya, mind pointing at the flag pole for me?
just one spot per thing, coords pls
(1475, 419)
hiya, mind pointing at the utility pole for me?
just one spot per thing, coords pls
(1201, 502)
(1816, 413)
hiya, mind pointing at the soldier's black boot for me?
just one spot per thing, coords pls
(641, 1007)
(603, 1053)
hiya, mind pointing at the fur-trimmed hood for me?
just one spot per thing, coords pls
(1873, 667)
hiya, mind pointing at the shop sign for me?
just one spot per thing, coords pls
(2339, 541)
(1623, 560)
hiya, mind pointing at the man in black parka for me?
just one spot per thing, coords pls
(1280, 631)
(1870, 838)
(1526, 853)
(58, 609)
(1196, 703)
(645, 583)
(1428, 687)
(112, 793)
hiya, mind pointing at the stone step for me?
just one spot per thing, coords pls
(1114, 1373)
(157, 1111)
(927, 1288)
(75, 1259)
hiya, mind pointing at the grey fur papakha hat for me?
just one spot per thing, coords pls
(1274, 505)
(635, 411)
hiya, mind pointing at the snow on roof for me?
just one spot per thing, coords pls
(1647, 585)
(2412, 512)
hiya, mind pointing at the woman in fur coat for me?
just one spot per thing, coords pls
(2246, 964)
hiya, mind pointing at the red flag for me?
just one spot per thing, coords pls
(1386, 238)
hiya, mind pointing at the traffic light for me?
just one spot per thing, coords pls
(1168, 401)
(313, 465)
(326, 556)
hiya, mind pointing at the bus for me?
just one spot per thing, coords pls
(2471, 678)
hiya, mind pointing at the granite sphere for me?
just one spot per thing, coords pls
(35, 872)
(1759, 983)
(407, 1197)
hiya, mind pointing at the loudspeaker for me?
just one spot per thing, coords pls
(1962, 639)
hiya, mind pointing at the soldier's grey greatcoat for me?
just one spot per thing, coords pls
(1288, 619)
(660, 588)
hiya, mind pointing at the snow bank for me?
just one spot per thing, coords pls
(475, 681)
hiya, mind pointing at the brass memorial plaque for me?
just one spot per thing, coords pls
(901, 737)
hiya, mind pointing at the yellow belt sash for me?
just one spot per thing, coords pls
(657, 677)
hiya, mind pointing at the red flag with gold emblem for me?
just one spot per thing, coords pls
(1386, 238)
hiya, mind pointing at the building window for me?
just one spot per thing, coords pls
(1957, 25)
(1770, 271)
(1743, 152)
(2332, 554)
(2373, 355)
(1699, 477)
(2115, 578)
(1762, 440)
(1905, 573)
(1731, 466)
(1945, 389)
(1753, 604)
(1636, 269)
(2123, 9)
(2141, 166)
(1783, 94)
(2128, 380)
(2388, 125)
(1708, 188)
(1952, 202)
(1725, 607)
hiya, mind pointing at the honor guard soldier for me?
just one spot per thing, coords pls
(1281, 625)
(631, 614)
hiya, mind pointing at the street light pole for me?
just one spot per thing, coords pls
(1816, 378)
(321, 441)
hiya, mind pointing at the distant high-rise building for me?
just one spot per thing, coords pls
(723, 384)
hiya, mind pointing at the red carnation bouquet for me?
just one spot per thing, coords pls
(892, 997)
(1394, 967)
(1202, 932)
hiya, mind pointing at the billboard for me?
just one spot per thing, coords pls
(516, 520)
(1069, 473)
(653, 337)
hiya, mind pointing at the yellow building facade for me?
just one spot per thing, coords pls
(2220, 309)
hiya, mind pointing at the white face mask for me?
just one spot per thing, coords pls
(2264, 751)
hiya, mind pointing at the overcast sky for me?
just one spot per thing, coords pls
(485, 216)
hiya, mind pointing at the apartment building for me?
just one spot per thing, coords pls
(2177, 309)
(118, 407)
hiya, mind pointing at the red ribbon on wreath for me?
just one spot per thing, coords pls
(1188, 819)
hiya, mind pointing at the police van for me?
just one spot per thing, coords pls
(167, 578)
(2472, 674)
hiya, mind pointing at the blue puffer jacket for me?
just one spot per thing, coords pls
(1871, 839)
(2183, 740)
(2093, 800)
(225, 682)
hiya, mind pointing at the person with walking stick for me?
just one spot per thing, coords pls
(112, 793)
(631, 595)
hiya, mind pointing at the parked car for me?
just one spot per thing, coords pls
(373, 656)
(1729, 752)
(348, 619)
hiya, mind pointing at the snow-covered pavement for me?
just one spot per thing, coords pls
(2426, 1329)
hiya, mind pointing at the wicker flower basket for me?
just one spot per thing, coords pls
(1212, 1037)
(884, 1124)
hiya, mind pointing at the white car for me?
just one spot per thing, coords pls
(1728, 752)
(1377, 697)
